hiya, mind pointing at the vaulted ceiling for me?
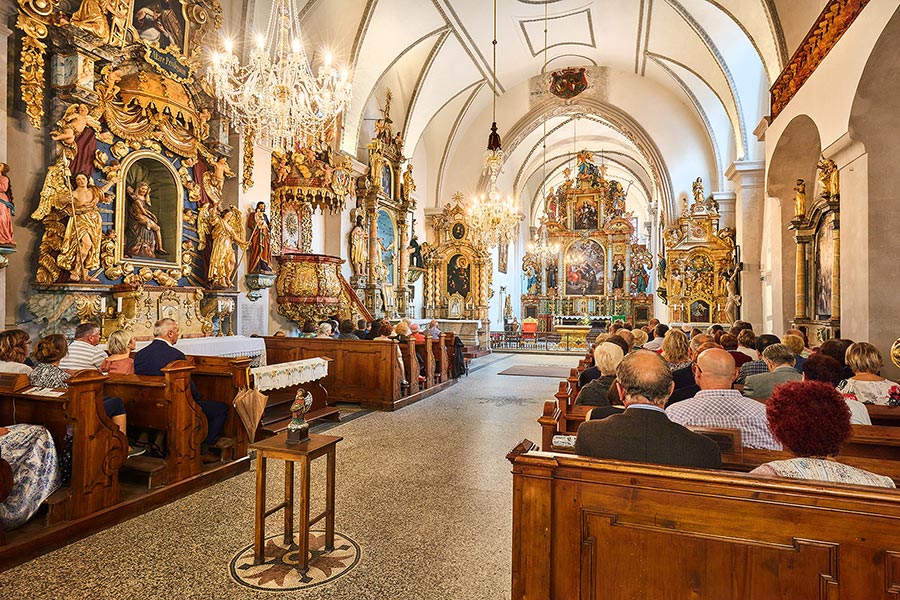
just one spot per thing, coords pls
(678, 86)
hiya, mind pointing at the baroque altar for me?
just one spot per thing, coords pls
(698, 276)
(601, 271)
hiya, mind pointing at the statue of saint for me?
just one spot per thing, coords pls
(409, 186)
(359, 247)
(76, 134)
(80, 252)
(643, 280)
(143, 236)
(698, 191)
(227, 230)
(259, 252)
(661, 268)
(618, 275)
(733, 300)
(91, 17)
(7, 208)
(415, 252)
(829, 177)
(800, 198)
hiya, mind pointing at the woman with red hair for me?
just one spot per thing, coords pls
(812, 421)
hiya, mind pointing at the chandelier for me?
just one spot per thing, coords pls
(494, 221)
(541, 248)
(276, 97)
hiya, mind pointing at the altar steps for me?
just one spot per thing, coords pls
(470, 352)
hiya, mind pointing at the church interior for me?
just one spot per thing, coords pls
(555, 287)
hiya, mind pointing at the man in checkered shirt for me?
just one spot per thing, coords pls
(717, 405)
(755, 367)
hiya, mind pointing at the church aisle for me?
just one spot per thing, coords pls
(425, 491)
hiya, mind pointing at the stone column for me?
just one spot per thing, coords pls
(748, 178)
(726, 202)
(800, 285)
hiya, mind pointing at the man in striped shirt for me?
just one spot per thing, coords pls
(83, 351)
(718, 405)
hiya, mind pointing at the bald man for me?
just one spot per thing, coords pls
(718, 405)
(643, 432)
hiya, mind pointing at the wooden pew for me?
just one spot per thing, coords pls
(362, 371)
(98, 447)
(410, 364)
(442, 357)
(884, 415)
(426, 351)
(220, 378)
(590, 528)
(165, 403)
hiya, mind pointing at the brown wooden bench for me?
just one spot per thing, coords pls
(426, 349)
(591, 528)
(98, 447)
(884, 415)
(219, 379)
(165, 403)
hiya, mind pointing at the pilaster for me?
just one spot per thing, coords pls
(748, 178)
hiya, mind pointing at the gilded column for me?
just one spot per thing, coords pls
(800, 289)
(400, 289)
(836, 274)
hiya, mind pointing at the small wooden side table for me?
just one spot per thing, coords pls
(304, 453)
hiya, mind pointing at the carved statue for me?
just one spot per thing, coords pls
(733, 300)
(260, 249)
(698, 191)
(7, 208)
(661, 268)
(80, 251)
(800, 198)
(226, 230)
(76, 134)
(91, 17)
(415, 252)
(618, 274)
(143, 236)
(643, 279)
(507, 308)
(409, 186)
(829, 177)
(359, 247)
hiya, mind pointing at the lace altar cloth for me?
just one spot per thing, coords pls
(287, 374)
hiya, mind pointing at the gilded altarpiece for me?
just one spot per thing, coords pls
(135, 223)
(380, 235)
(816, 226)
(458, 270)
(600, 272)
(699, 272)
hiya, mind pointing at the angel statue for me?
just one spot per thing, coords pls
(409, 185)
(226, 229)
(829, 177)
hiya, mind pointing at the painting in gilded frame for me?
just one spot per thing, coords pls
(161, 24)
(585, 270)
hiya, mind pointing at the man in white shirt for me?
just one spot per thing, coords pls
(83, 351)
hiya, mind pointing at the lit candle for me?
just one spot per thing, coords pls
(119, 304)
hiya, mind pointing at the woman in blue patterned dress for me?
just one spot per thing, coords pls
(30, 452)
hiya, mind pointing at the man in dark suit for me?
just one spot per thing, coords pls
(643, 432)
(162, 351)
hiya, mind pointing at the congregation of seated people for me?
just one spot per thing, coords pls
(648, 386)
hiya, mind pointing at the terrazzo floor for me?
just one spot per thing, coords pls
(425, 491)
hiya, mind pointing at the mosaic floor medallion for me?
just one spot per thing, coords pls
(280, 571)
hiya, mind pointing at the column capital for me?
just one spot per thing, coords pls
(740, 170)
(844, 150)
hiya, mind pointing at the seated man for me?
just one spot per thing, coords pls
(643, 432)
(717, 405)
(780, 360)
(83, 351)
(162, 351)
(433, 329)
(362, 329)
(755, 367)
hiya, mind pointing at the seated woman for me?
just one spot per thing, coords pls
(819, 367)
(812, 421)
(47, 354)
(384, 334)
(867, 385)
(30, 452)
(120, 345)
(675, 350)
(607, 357)
(309, 330)
(14, 348)
(324, 331)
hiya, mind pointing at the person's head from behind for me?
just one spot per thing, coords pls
(50, 349)
(346, 326)
(607, 357)
(626, 335)
(836, 348)
(728, 341)
(120, 341)
(620, 342)
(601, 337)
(746, 338)
(696, 342)
(764, 341)
(324, 329)
(794, 342)
(88, 332)
(361, 325)
(166, 329)
(644, 378)
(863, 357)
(309, 326)
(640, 338)
(433, 323)
(809, 418)
(385, 330)
(14, 345)
(660, 330)
(714, 369)
(778, 355)
(675, 346)
(800, 334)
(401, 328)
(822, 368)
(616, 326)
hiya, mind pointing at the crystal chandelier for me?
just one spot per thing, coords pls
(495, 221)
(541, 248)
(276, 98)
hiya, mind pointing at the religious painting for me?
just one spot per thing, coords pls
(148, 211)
(458, 231)
(585, 215)
(824, 269)
(502, 257)
(700, 312)
(387, 180)
(387, 237)
(585, 270)
(458, 275)
(160, 23)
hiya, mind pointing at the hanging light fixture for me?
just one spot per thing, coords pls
(276, 98)
(495, 221)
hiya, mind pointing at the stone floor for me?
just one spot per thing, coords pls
(425, 491)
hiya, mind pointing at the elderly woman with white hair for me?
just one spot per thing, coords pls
(607, 357)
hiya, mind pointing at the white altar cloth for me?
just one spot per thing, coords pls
(287, 374)
(230, 346)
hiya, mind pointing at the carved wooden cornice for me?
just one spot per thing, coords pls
(834, 20)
